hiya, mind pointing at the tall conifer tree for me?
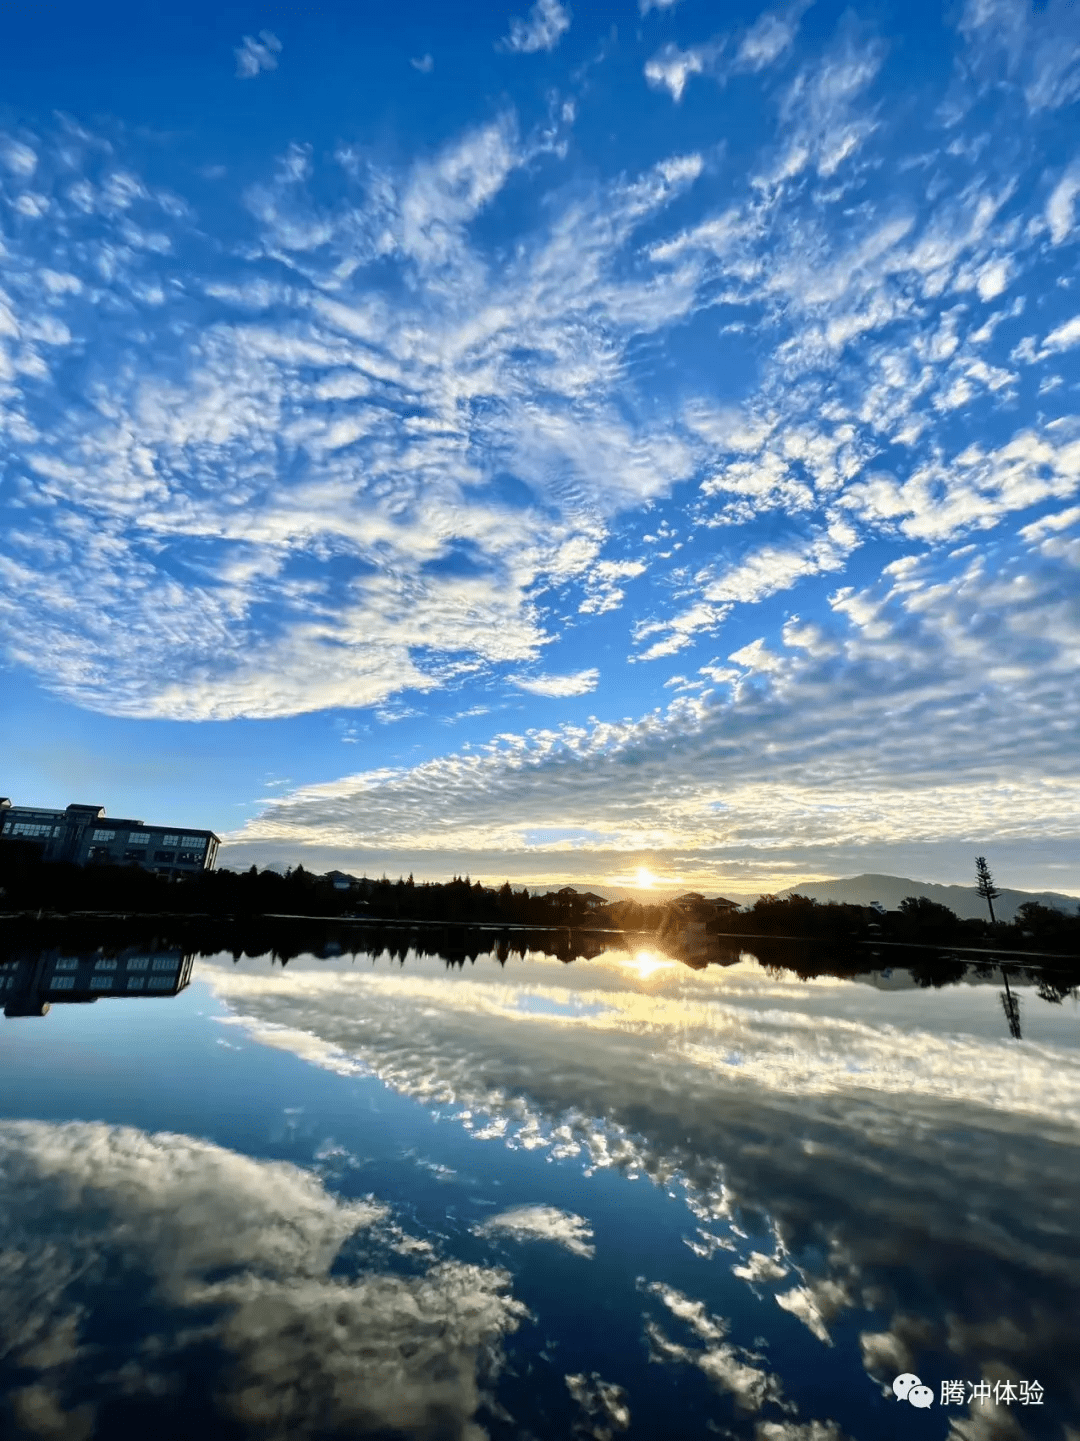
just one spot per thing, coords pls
(984, 884)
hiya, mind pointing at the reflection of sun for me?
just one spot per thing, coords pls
(645, 878)
(646, 963)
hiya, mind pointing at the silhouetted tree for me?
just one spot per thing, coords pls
(921, 919)
(1045, 923)
(984, 884)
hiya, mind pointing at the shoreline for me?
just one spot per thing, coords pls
(944, 948)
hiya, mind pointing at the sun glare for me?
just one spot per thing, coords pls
(647, 963)
(645, 878)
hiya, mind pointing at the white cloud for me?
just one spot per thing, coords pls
(444, 194)
(770, 36)
(20, 159)
(1061, 205)
(897, 671)
(1063, 338)
(820, 122)
(1034, 51)
(671, 68)
(542, 1223)
(763, 44)
(424, 63)
(547, 22)
(254, 55)
(605, 592)
(397, 427)
(580, 683)
(757, 576)
(300, 503)
(1051, 524)
(993, 279)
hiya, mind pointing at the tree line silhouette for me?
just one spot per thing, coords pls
(30, 886)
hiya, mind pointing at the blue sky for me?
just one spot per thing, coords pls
(548, 441)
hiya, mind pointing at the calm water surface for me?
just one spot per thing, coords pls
(362, 1196)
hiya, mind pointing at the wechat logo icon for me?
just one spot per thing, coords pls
(908, 1387)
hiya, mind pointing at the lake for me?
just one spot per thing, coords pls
(401, 1193)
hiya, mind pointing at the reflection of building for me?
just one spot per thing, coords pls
(31, 983)
(85, 835)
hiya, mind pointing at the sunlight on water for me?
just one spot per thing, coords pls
(647, 963)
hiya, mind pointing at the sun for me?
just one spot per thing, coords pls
(644, 879)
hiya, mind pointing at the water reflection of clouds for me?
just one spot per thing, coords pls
(850, 1139)
(541, 1223)
(236, 1251)
(754, 1038)
(603, 1405)
(729, 1368)
(793, 1431)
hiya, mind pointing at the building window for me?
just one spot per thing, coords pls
(104, 965)
(160, 983)
(193, 843)
(170, 840)
(28, 828)
(139, 838)
(63, 983)
(103, 836)
(164, 856)
(190, 858)
(101, 983)
(67, 963)
(165, 963)
(138, 963)
(136, 983)
(6, 982)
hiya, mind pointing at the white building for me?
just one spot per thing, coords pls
(84, 835)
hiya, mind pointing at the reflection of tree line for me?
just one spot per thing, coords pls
(284, 938)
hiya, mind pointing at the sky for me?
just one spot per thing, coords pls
(564, 443)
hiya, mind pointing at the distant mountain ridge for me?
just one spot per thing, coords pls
(964, 901)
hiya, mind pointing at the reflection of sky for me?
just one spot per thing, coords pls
(849, 1182)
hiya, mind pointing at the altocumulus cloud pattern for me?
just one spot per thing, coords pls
(756, 428)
